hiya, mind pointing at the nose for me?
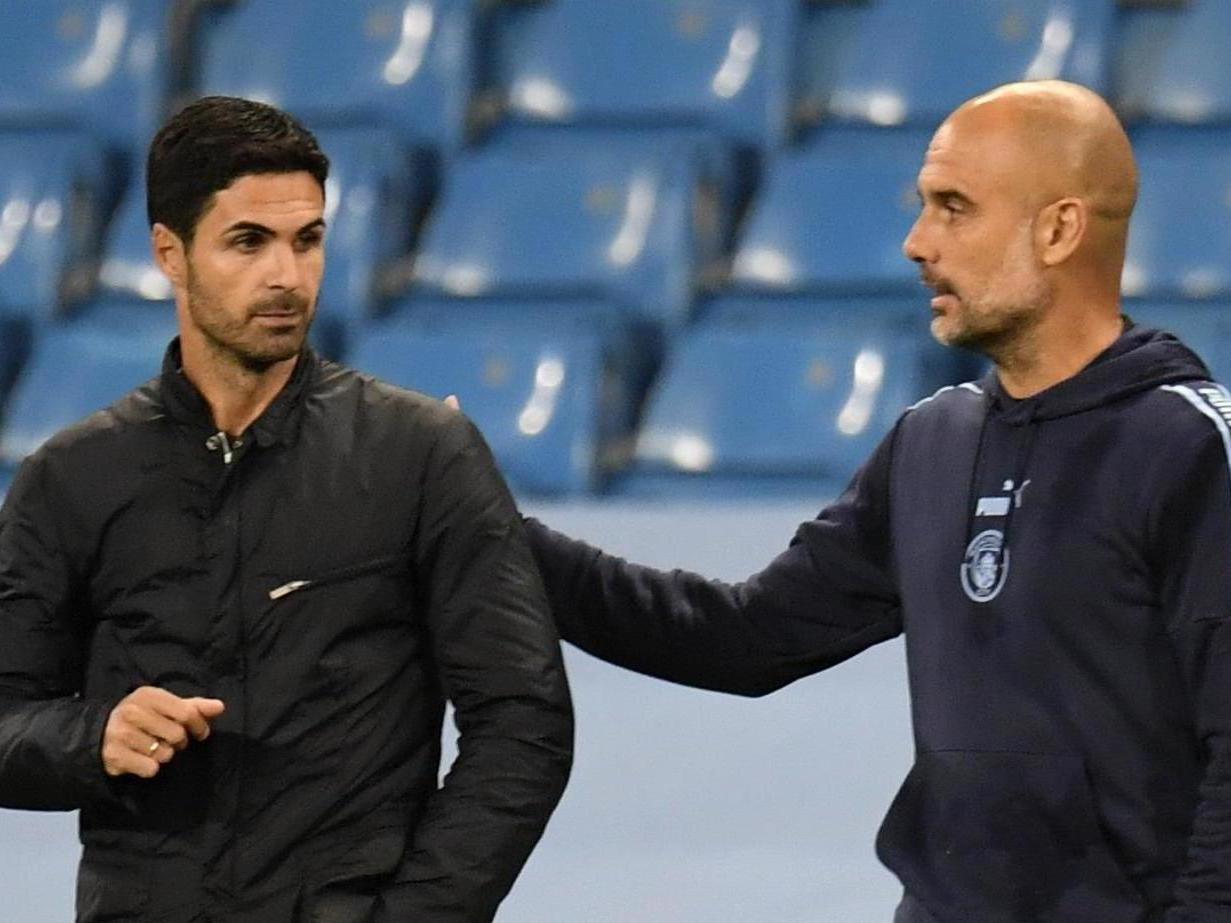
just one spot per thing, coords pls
(283, 271)
(915, 247)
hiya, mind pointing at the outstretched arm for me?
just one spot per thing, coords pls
(828, 596)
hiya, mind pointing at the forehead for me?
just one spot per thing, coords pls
(973, 157)
(275, 200)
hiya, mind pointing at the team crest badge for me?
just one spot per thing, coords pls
(986, 566)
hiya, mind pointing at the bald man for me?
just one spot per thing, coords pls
(1054, 541)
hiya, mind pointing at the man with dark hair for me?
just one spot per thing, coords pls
(233, 604)
(1054, 541)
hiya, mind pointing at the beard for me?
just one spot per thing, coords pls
(242, 337)
(997, 321)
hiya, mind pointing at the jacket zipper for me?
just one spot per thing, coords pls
(220, 441)
(336, 576)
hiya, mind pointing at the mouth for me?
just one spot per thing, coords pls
(945, 298)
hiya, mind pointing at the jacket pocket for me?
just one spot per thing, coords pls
(337, 575)
(1004, 838)
(348, 890)
(111, 887)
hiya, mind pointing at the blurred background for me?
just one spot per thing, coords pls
(654, 245)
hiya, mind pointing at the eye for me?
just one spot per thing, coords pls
(248, 243)
(310, 240)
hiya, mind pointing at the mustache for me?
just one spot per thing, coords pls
(937, 284)
(286, 303)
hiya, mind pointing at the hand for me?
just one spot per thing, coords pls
(149, 726)
(453, 402)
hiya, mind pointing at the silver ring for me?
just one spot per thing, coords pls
(153, 748)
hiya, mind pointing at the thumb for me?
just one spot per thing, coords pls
(209, 708)
(453, 402)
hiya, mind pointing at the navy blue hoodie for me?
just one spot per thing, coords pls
(1061, 569)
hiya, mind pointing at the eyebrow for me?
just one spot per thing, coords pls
(942, 194)
(252, 226)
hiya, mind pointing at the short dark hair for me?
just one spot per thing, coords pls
(214, 141)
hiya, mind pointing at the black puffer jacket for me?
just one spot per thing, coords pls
(336, 576)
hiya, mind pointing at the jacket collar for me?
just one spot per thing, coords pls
(279, 422)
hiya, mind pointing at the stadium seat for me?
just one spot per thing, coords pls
(897, 62)
(1181, 233)
(549, 385)
(591, 216)
(833, 214)
(798, 394)
(719, 64)
(408, 65)
(1205, 327)
(78, 367)
(53, 192)
(105, 68)
(1171, 63)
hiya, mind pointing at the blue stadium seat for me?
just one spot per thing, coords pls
(406, 64)
(1181, 233)
(800, 393)
(590, 216)
(53, 190)
(1171, 63)
(897, 62)
(106, 68)
(1205, 327)
(719, 64)
(833, 214)
(78, 367)
(549, 385)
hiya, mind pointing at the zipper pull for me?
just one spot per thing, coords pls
(221, 441)
(288, 588)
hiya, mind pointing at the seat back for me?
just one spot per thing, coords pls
(79, 367)
(720, 64)
(1180, 238)
(586, 216)
(896, 62)
(833, 213)
(52, 189)
(103, 67)
(408, 65)
(1172, 64)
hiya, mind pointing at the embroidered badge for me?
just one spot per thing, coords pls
(986, 566)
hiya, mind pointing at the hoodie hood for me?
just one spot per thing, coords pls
(1141, 359)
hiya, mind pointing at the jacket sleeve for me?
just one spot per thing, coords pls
(829, 595)
(498, 657)
(1193, 541)
(50, 738)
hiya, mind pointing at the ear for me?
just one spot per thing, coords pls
(171, 254)
(1060, 230)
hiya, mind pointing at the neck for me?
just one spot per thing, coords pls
(237, 393)
(1057, 348)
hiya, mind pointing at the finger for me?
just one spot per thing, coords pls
(203, 712)
(153, 726)
(119, 761)
(453, 402)
(137, 741)
(188, 713)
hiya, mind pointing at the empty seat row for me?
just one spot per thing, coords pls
(791, 395)
(754, 72)
(640, 223)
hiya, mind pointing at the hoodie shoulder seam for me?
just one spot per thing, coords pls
(970, 386)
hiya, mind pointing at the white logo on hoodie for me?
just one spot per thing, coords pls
(986, 566)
